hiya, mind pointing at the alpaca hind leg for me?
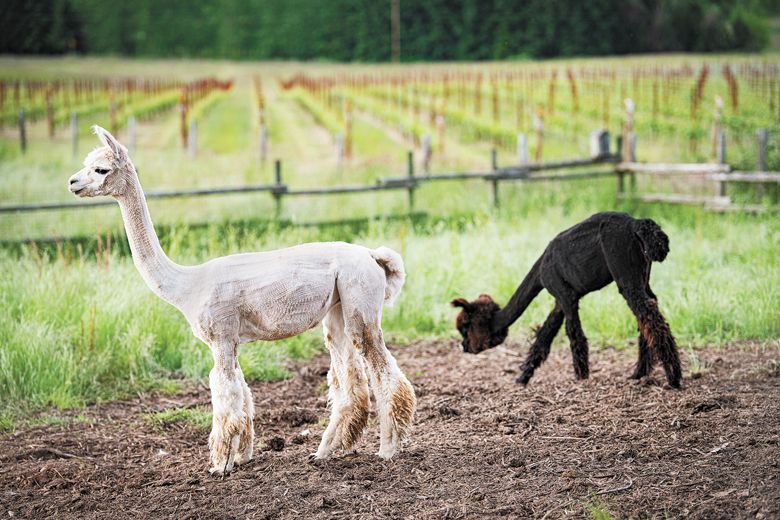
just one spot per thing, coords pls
(645, 362)
(631, 271)
(347, 389)
(247, 441)
(394, 394)
(227, 399)
(540, 348)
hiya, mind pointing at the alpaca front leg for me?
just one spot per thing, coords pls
(540, 348)
(578, 343)
(229, 419)
(247, 441)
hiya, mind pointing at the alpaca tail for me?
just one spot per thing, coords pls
(654, 241)
(395, 275)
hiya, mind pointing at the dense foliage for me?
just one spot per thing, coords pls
(349, 30)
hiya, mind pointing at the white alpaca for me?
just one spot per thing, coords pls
(272, 295)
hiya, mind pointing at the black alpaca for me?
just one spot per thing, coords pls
(586, 257)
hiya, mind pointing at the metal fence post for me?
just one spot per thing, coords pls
(22, 132)
(410, 172)
(427, 152)
(522, 149)
(277, 192)
(720, 147)
(494, 167)
(74, 133)
(192, 139)
(763, 137)
(621, 185)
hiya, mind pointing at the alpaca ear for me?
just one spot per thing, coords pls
(461, 302)
(108, 140)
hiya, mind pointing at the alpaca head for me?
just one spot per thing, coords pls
(475, 324)
(106, 171)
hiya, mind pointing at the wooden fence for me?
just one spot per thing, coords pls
(720, 174)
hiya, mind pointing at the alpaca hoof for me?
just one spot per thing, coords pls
(224, 441)
(242, 459)
(522, 380)
(218, 472)
(316, 461)
(386, 453)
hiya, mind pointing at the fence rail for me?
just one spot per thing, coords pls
(410, 182)
(623, 163)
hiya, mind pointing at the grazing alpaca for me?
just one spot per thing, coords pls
(580, 260)
(273, 295)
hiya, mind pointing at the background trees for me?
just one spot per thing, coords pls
(359, 30)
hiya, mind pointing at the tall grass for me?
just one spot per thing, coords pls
(75, 330)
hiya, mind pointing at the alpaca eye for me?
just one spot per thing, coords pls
(101, 171)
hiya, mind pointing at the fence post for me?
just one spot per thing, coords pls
(263, 142)
(22, 132)
(348, 129)
(763, 137)
(50, 113)
(440, 122)
(74, 133)
(629, 146)
(716, 128)
(192, 139)
(620, 174)
(599, 144)
(277, 192)
(494, 182)
(522, 149)
(183, 119)
(720, 147)
(539, 126)
(339, 150)
(427, 152)
(410, 172)
(131, 135)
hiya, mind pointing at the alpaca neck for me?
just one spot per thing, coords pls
(528, 290)
(164, 277)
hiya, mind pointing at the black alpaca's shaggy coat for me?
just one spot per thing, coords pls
(586, 257)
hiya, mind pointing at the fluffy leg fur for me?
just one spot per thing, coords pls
(394, 394)
(540, 348)
(645, 362)
(227, 399)
(658, 336)
(347, 389)
(247, 441)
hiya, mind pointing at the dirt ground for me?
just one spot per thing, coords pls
(482, 447)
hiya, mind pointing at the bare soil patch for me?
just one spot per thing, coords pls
(481, 447)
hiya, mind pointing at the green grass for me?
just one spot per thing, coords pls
(597, 510)
(70, 337)
(79, 326)
(198, 418)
